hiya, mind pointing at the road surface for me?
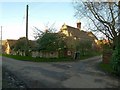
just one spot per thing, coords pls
(78, 74)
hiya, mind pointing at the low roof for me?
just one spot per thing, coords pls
(10, 41)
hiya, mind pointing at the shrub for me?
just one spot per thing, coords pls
(115, 61)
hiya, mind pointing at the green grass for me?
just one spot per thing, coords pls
(38, 59)
(106, 67)
(0, 54)
(89, 55)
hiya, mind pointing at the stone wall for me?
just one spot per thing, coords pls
(45, 54)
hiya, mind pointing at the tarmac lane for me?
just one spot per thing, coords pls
(79, 74)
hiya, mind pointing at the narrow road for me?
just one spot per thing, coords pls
(78, 74)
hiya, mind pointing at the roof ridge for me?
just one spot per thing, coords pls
(72, 27)
(11, 39)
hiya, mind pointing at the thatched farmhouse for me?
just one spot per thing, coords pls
(74, 38)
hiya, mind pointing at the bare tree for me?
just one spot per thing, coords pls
(39, 33)
(103, 17)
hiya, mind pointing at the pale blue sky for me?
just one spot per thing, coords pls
(40, 15)
(42, 11)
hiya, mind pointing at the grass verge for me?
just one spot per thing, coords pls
(106, 67)
(38, 59)
(89, 55)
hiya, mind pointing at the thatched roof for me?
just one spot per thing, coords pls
(11, 42)
(92, 35)
(3, 42)
(75, 32)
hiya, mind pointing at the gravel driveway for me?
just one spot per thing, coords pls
(78, 74)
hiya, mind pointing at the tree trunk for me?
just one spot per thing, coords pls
(114, 42)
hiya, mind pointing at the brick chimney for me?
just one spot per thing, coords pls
(79, 25)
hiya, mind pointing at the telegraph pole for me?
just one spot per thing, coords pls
(27, 22)
(26, 52)
(1, 41)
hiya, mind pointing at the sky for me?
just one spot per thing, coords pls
(41, 15)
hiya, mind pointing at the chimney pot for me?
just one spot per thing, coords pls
(79, 25)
